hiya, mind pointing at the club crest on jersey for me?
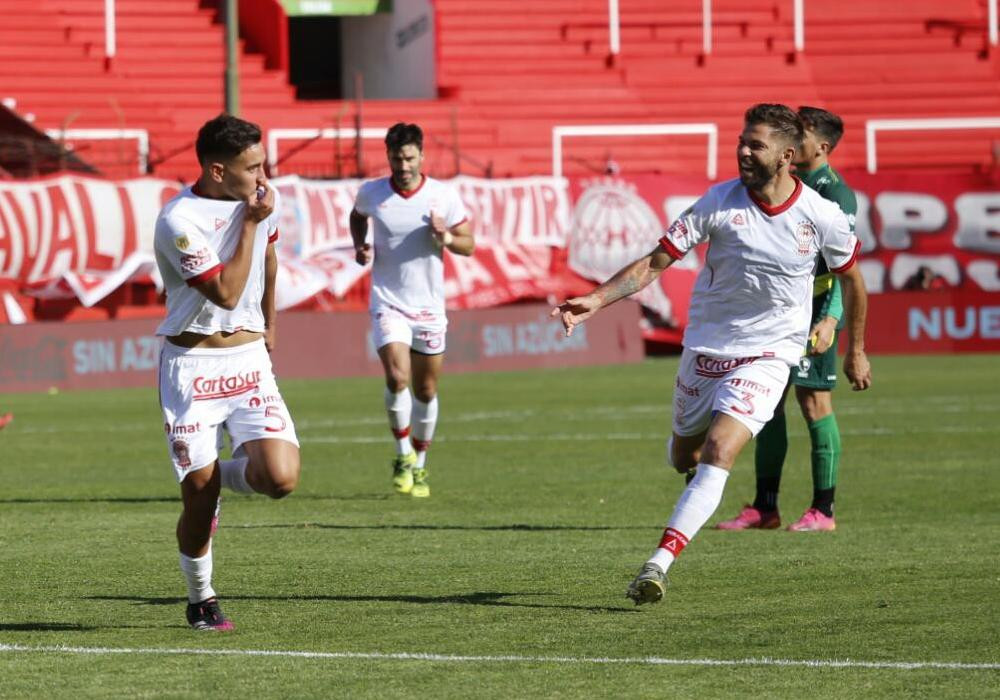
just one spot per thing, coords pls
(182, 242)
(181, 453)
(677, 229)
(804, 235)
(738, 220)
(219, 223)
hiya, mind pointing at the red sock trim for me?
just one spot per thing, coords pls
(420, 445)
(400, 433)
(673, 541)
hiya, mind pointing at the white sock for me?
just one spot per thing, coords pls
(398, 407)
(198, 573)
(425, 417)
(694, 507)
(234, 474)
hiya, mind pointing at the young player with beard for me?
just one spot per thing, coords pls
(815, 376)
(214, 245)
(415, 218)
(748, 319)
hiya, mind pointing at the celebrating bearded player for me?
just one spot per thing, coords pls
(749, 315)
(214, 249)
(815, 376)
(416, 217)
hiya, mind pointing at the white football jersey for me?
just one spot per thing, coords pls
(194, 237)
(754, 295)
(408, 272)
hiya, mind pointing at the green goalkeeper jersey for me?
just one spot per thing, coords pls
(828, 183)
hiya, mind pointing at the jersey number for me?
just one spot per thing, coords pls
(748, 408)
(275, 412)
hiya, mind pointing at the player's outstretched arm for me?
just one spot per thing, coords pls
(627, 281)
(363, 252)
(226, 288)
(856, 365)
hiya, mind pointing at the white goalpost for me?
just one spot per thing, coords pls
(708, 129)
(276, 135)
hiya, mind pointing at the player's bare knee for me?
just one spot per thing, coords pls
(720, 453)
(283, 479)
(397, 381)
(425, 393)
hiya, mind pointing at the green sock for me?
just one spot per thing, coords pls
(769, 458)
(824, 436)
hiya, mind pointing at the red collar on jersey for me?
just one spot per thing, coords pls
(784, 206)
(403, 193)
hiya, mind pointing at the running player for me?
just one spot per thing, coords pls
(416, 217)
(748, 319)
(214, 249)
(815, 376)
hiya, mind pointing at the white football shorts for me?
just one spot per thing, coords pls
(423, 332)
(203, 390)
(746, 388)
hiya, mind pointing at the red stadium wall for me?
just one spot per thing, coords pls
(40, 356)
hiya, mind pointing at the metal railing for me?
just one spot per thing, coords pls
(311, 135)
(709, 129)
(141, 136)
(872, 126)
(798, 23)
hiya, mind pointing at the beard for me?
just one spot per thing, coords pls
(758, 174)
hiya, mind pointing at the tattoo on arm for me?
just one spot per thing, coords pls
(627, 282)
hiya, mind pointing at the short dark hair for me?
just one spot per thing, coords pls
(224, 138)
(403, 134)
(780, 118)
(826, 124)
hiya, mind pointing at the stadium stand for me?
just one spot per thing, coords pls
(509, 72)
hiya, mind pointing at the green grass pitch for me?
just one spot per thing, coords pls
(549, 490)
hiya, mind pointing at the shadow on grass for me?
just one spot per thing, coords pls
(45, 627)
(488, 598)
(513, 527)
(177, 499)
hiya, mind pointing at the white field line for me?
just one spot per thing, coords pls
(561, 660)
(936, 405)
(592, 437)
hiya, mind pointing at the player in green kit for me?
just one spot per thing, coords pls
(816, 374)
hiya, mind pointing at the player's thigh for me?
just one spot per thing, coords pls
(200, 489)
(725, 438)
(273, 462)
(396, 365)
(426, 370)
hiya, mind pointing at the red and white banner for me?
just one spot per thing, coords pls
(81, 237)
(947, 223)
(71, 236)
